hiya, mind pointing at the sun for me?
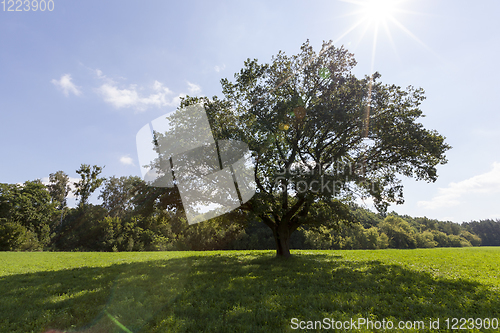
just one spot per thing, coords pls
(378, 11)
(374, 16)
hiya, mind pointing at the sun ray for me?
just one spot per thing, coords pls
(354, 26)
(377, 13)
(374, 48)
(361, 35)
(374, 13)
(415, 38)
(391, 40)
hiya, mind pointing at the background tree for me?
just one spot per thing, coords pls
(118, 194)
(401, 235)
(488, 230)
(79, 231)
(322, 137)
(88, 183)
(26, 213)
(59, 189)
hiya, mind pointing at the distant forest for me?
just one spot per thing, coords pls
(137, 217)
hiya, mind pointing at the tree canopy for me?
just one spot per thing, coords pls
(88, 183)
(59, 187)
(322, 137)
(26, 215)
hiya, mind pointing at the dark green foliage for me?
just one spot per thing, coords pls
(118, 195)
(487, 230)
(137, 217)
(93, 229)
(257, 236)
(15, 237)
(26, 216)
(78, 230)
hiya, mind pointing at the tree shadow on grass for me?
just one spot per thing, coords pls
(90, 299)
(264, 294)
(233, 292)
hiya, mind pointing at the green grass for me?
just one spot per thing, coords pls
(243, 291)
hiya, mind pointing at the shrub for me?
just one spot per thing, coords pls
(15, 237)
(426, 240)
(473, 239)
(401, 235)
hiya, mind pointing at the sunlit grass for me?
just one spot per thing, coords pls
(241, 291)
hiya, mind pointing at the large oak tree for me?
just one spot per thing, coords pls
(322, 137)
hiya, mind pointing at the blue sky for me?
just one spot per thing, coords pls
(77, 83)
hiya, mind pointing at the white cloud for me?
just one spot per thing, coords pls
(119, 98)
(131, 97)
(100, 75)
(127, 160)
(486, 183)
(159, 98)
(194, 88)
(66, 85)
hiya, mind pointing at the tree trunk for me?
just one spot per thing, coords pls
(282, 239)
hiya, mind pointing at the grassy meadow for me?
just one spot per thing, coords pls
(243, 291)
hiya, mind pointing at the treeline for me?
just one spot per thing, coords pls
(132, 217)
(374, 232)
(137, 217)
